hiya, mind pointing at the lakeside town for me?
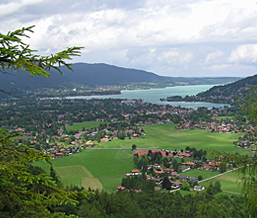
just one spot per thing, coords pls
(44, 123)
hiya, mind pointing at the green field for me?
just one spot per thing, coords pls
(104, 168)
(195, 173)
(86, 125)
(167, 137)
(229, 182)
(85, 168)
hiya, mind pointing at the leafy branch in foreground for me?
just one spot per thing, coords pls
(23, 193)
(247, 172)
(249, 104)
(15, 54)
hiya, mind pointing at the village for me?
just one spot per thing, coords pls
(163, 172)
(118, 119)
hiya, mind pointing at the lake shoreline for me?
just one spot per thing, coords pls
(154, 95)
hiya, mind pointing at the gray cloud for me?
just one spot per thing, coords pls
(168, 37)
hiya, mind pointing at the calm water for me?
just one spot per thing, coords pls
(154, 95)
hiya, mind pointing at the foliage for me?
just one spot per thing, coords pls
(24, 193)
(15, 54)
(249, 104)
(130, 204)
(247, 172)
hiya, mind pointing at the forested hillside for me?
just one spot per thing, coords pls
(92, 76)
(240, 86)
(226, 94)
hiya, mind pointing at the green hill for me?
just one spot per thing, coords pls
(225, 94)
(95, 75)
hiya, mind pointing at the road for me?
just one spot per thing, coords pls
(217, 175)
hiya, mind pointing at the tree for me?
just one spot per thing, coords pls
(223, 167)
(24, 194)
(166, 183)
(217, 186)
(175, 164)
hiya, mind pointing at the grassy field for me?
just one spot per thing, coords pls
(167, 137)
(229, 182)
(97, 168)
(104, 168)
(195, 173)
(79, 126)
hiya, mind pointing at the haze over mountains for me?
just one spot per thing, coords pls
(96, 75)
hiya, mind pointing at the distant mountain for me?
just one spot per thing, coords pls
(233, 89)
(94, 75)
(225, 94)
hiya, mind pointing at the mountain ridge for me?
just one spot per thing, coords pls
(95, 75)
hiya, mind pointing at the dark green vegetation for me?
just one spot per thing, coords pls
(91, 76)
(123, 204)
(26, 191)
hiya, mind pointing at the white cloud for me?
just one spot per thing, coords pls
(211, 57)
(244, 54)
(216, 67)
(182, 37)
(14, 6)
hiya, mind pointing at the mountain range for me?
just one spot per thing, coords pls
(95, 75)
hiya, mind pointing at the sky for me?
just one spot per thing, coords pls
(177, 38)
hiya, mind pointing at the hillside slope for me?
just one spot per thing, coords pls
(232, 89)
(94, 75)
(225, 94)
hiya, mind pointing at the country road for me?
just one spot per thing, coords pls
(218, 175)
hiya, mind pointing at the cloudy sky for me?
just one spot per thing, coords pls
(185, 38)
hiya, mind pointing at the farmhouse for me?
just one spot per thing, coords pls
(176, 184)
(198, 188)
(135, 172)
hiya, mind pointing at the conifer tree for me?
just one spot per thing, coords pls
(24, 194)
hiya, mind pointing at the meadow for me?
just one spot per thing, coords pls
(104, 167)
(80, 126)
(229, 182)
(167, 137)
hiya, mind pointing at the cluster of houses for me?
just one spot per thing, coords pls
(174, 179)
(158, 181)
(229, 127)
(60, 151)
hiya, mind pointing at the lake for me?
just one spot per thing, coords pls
(154, 95)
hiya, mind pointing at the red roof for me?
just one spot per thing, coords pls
(121, 188)
(105, 140)
(189, 163)
(158, 172)
(89, 144)
(135, 171)
(168, 169)
(184, 154)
